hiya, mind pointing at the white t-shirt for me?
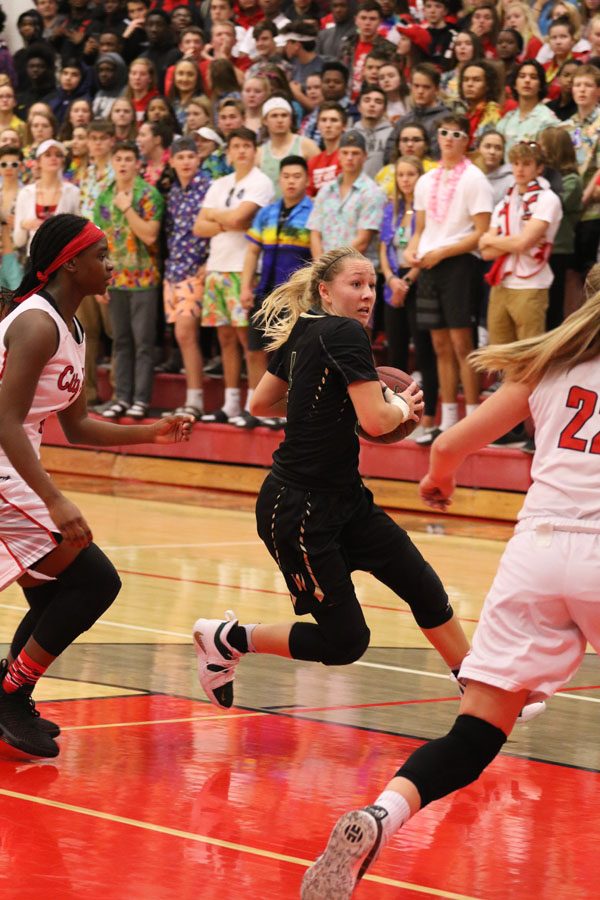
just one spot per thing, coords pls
(524, 271)
(473, 195)
(228, 249)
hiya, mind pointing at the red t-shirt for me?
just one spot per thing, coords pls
(322, 169)
(358, 66)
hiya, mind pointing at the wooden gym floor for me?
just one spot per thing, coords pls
(157, 795)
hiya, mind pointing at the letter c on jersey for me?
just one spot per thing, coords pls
(69, 380)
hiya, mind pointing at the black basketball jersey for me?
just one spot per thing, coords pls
(322, 356)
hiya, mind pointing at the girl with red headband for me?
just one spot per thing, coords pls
(45, 542)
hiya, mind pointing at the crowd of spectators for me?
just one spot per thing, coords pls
(221, 144)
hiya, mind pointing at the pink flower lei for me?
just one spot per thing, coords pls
(441, 195)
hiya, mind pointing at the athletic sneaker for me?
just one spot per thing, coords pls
(45, 725)
(353, 845)
(18, 727)
(216, 658)
(530, 710)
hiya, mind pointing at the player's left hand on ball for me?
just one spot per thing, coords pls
(172, 430)
(414, 397)
(436, 494)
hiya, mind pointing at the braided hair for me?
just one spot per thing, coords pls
(50, 238)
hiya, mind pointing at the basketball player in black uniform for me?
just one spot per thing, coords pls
(314, 514)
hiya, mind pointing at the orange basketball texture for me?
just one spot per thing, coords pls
(397, 381)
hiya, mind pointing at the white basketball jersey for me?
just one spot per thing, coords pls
(566, 466)
(61, 380)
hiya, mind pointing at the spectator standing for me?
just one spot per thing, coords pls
(39, 68)
(413, 140)
(300, 41)
(187, 83)
(141, 87)
(8, 119)
(442, 35)
(279, 239)
(123, 117)
(111, 75)
(519, 240)
(255, 93)
(281, 142)
(559, 154)
(531, 115)
(509, 47)
(161, 51)
(391, 81)
(332, 34)
(74, 83)
(356, 46)
(400, 293)
(93, 315)
(374, 126)
(465, 49)
(154, 140)
(11, 269)
(491, 162)
(129, 212)
(427, 107)
(325, 166)
(453, 205)
(348, 211)
(47, 196)
(135, 39)
(485, 24)
(185, 266)
(191, 46)
(480, 91)
(584, 130)
(229, 207)
(564, 106)
(521, 16)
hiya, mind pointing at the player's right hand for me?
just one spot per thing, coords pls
(70, 522)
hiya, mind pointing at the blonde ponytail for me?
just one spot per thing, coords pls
(575, 341)
(283, 307)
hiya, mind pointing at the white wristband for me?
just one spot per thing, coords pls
(396, 400)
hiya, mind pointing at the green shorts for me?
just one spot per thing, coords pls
(221, 302)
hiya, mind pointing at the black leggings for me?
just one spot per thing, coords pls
(317, 540)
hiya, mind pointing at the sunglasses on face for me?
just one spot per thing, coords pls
(457, 135)
(9, 165)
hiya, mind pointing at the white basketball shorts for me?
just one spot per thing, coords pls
(542, 607)
(25, 529)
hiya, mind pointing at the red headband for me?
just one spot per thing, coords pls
(89, 235)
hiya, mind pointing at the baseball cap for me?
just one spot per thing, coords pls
(353, 139)
(46, 145)
(209, 134)
(420, 37)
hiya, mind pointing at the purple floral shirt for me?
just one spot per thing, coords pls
(185, 253)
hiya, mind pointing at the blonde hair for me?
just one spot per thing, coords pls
(417, 164)
(575, 341)
(284, 306)
(531, 28)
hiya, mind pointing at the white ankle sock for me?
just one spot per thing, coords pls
(194, 397)
(449, 415)
(471, 407)
(249, 629)
(398, 812)
(232, 405)
(248, 399)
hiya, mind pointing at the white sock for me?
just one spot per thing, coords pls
(249, 629)
(232, 405)
(248, 399)
(449, 415)
(471, 407)
(398, 812)
(194, 397)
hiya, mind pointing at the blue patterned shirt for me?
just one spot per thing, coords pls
(284, 241)
(185, 252)
(339, 219)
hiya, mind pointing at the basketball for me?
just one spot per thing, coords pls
(397, 381)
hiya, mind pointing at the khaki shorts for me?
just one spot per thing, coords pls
(515, 314)
(221, 303)
(183, 299)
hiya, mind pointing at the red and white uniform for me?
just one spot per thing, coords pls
(544, 603)
(25, 526)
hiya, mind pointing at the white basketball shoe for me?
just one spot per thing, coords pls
(217, 659)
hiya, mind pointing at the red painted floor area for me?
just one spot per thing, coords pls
(139, 811)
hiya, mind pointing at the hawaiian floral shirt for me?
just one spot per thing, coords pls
(136, 264)
(585, 135)
(185, 253)
(339, 219)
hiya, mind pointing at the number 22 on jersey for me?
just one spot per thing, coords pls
(585, 402)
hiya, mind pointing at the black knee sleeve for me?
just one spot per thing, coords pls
(309, 642)
(428, 599)
(446, 764)
(72, 603)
